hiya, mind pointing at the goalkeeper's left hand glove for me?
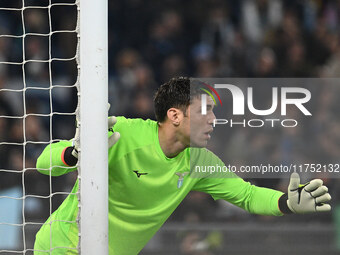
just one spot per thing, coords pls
(307, 198)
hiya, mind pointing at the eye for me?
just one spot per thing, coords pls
(210, 107)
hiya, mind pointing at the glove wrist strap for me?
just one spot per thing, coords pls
(68, 158)
(283, 206)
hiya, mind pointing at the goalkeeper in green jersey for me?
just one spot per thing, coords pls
(149, 176)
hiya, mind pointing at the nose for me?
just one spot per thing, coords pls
(211, 118)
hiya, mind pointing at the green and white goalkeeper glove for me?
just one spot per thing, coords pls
(111, 140)
(69, 156)
(307, 198)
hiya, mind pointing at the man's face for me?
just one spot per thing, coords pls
(196, 126)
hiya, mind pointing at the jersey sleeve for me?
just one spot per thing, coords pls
(51, 160)
(230, 187)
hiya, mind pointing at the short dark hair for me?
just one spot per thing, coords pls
(177, 92)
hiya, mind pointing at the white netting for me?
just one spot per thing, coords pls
(38, 80)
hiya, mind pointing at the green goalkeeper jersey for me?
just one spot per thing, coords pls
(145, 187)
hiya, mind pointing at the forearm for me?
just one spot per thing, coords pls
(263, 201)
(56, 159)
(243, 194)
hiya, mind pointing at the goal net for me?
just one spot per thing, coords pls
(45, 72)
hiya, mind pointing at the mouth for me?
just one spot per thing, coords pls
(207, 134)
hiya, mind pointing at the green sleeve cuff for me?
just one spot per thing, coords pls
(52, 161)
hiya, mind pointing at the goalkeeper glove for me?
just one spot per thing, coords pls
(307, 198)
(70, 154)
(111, 140)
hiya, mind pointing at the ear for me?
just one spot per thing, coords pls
(175, 116)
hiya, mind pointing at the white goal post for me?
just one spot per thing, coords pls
(93, 168)
(38, 76)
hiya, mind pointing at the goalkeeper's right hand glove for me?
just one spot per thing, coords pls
(307, 198)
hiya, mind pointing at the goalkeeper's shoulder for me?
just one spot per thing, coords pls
(129, 126)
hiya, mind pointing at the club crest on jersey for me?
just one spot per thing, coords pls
(180, 178)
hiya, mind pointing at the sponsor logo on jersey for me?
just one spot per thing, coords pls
(139, 174)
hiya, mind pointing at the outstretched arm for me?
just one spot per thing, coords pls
(256, 200)
(300, 199)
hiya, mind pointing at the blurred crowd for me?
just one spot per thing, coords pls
(259, 38)
(149, 43)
